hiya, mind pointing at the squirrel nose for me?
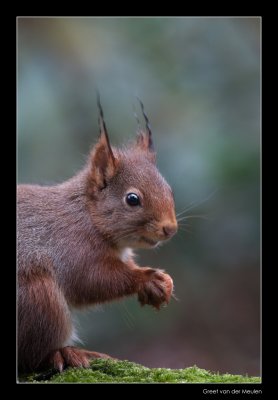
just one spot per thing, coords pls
(169, 230)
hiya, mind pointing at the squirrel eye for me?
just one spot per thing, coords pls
(132, 199)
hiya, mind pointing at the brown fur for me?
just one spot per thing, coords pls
(72, 248)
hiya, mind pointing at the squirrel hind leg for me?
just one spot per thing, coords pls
(44, 320)
(71, 356)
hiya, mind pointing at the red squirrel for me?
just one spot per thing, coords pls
(75, 242)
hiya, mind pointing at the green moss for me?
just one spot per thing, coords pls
(125, 371)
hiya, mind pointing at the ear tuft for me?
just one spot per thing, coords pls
(103, 163)
(144, 138)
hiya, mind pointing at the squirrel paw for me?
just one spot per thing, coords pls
(157, 290)
(73, 357)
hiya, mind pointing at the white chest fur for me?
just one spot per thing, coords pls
(126, 254)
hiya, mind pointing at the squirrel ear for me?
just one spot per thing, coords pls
(145, 144)
(103, 162)
(144, 138)
(144, 141)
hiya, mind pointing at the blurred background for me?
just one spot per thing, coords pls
(199, 79)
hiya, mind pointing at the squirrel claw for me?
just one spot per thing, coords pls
(157, 290)
(73, 357)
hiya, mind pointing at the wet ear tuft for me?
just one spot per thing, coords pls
(103, 162)
(144, 137)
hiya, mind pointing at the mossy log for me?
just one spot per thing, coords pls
(125, 371)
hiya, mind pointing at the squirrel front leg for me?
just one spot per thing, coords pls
(119, 279)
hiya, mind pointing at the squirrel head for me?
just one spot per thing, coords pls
(130, 202)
